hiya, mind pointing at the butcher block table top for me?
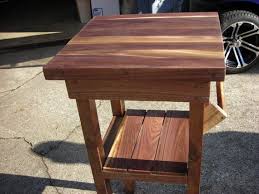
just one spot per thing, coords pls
(182, 46)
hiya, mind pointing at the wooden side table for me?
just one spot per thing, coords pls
(163, 57)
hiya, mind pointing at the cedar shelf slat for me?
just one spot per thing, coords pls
(154, 142)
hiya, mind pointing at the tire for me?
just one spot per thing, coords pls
(242, 55)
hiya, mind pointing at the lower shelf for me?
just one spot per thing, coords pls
(154, 142)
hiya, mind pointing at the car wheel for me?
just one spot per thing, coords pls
(240, 31)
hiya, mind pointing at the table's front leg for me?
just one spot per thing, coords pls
(195, 146)
(93, 140)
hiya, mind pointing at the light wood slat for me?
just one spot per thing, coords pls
(138, 31)
(143, 39)
(146, 146)
(80, 48)
(122, 149)
(163, 15)
(173, 148)
(213, 114)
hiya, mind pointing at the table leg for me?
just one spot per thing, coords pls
(129, 186)
(118, 107)
(195, 146)
(220, 94)
(93, 140)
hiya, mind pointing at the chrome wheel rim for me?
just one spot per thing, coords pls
(241, 44)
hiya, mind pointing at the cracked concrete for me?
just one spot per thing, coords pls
(16, 88)
(49, 176)
(46, 150)
(20, 78)
(23, 138)
(25, 163)
(42, 146)
(41, 157)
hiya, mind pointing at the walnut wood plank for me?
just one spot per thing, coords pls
(139, 51)
(121, 152)
(173, 148)
(147, 142)
(213, 114)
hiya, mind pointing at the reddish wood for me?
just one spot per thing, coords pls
(90, 126)
(173, 146)
(118, 107)
(106, 50)
(139, 90)
(111, 133)
(122, 149)
(213, 114)
(220, 94)
(146, 146)
(125, 57)
(178, 178)
(129, 186)
(149, 150)
(195, 146)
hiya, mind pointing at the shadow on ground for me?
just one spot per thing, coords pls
(229, 165)
(36, 57)
(26, 22)
(62, 152)
(28, 184)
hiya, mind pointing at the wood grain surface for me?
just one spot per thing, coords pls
(220, 94)
(151, 142)
(174, 141)
(93, 141)
(166, 90)
(125, 141)
(147, 142)
(162, 46)
(195, 146)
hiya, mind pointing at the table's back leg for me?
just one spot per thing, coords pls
(93, 140)
(220, 94)
(129, 186)
(195, 146)
(118, 109)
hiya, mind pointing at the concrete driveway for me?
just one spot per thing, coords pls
(42, 148)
